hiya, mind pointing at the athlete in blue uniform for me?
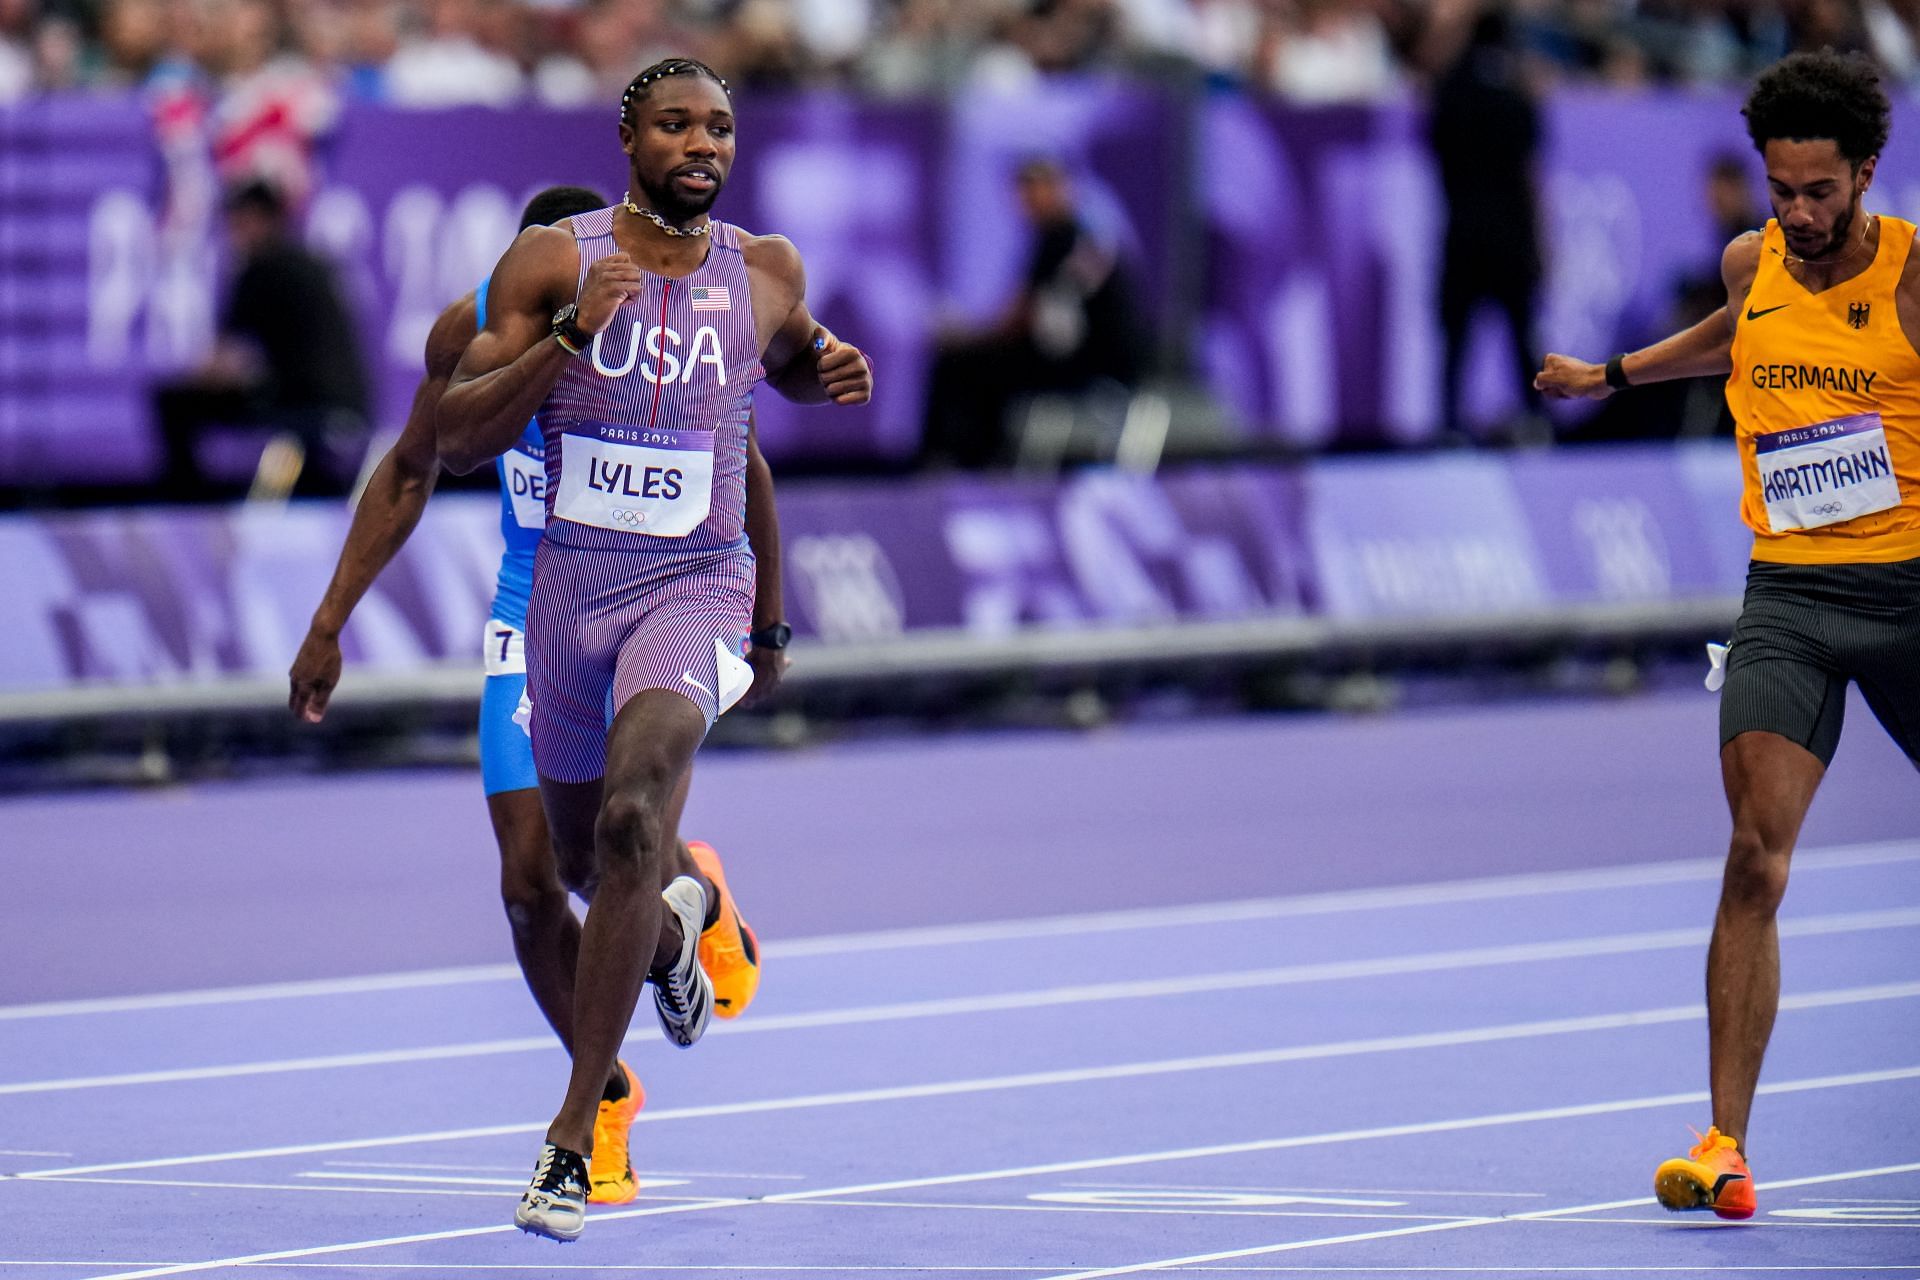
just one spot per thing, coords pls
(546, 934)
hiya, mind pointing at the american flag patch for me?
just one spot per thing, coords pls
(711, 298)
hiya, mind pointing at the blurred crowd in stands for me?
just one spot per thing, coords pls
(310, 55)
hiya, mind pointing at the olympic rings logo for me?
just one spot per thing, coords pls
(627, 516)
(1827, 509)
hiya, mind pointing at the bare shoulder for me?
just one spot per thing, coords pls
(542, 262)
(776, 258)
(451, 333)
(1740, 263)
(1742, 255)
(1909, 287)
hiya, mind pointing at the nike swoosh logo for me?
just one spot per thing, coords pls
(1720, 1183)
(1755, 315)
(688, 677)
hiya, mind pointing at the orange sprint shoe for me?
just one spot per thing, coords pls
(728, 950)
(610, 1173)
(1713, 1176)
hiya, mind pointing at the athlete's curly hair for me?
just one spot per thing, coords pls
(642, 85)
(1821, 95)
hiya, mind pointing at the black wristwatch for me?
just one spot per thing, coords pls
(571, 335)
(775, 635)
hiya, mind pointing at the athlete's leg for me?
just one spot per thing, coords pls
(628, 928)
(546, 936)
(1770, 781)
(1781, 713)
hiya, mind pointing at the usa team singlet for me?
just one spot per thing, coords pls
(644, 579)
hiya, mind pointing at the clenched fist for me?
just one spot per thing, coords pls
(844, 371)
(610, 281)
(1564, 378)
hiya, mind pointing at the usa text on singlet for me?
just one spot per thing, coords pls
(646, 432)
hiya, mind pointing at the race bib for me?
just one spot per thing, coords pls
(506, 649)
(1825, 473)
(636, 480)
(526, 479)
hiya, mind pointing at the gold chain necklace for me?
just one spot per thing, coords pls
(626, 198)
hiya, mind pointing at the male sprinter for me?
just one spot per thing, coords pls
(638, 334)
(1817, 342)
(546, 936)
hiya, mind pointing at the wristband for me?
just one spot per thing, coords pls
(1617, 373)
(566, 346)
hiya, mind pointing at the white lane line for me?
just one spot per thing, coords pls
(423, 1179)
(1108, 1162)
(9, 1151)
(1488, 888)
(403, 981)
(421, 1165)
(168, 1183)
(1038, 1079)
(416, 1166)
(1712, 1224)
(422, 1237)
(1855, 1200)
(1535, 1215)
(1183, 1211)
(922, 1269)
(1412, 1129)
(1309, 1191)
(1525, 953)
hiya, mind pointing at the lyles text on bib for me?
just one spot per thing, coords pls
(635, 479)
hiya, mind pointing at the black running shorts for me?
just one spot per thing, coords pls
(1804, 632)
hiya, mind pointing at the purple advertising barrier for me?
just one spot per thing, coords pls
(904, 215)
(1618, 525)
(165, 596)
(80, 181)
(1323, 231)
(176, 595)
(1438, 534)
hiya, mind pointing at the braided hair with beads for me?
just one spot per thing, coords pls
(642, 84)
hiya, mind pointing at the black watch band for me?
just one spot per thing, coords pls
(567, 329)
(775, 635)
(1617, 373)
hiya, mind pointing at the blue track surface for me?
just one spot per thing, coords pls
(1468, 1071)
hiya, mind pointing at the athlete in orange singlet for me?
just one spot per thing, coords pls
(1818, 343)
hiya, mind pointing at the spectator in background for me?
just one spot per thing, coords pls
(271, 105)
(1327, 51)
(1734, 207)
(17, 19)
(450, 66)
(369, 38)
(1485, 133)
(287, 358)
(1691, 407)
(1072, 325)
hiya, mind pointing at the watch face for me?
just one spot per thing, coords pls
(566, 314)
